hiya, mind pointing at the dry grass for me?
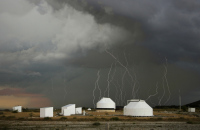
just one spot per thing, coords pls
(102, 116)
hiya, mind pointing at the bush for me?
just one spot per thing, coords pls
(25, 109)
(16, 111)
(1, 113)
(159, 118)
(10, 117)
(96, 124)
(114, 118)
(74, 117)
(47, 118)
(95, 118)
(184, 108)
(63, 118)
(21, 118)
(6, 110)
(103, 118)
(190, 122)
(31, 114)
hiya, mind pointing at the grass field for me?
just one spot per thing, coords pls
(159, 115)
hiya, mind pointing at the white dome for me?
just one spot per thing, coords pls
(106, 103)
(138, 108)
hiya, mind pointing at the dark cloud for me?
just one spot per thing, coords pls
(56, 47)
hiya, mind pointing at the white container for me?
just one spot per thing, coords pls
(106, 103)
(79, 110)
(137, 108)
(46, 112)
(66, 112)
(70, 108)
(191, 109)
(17, 108)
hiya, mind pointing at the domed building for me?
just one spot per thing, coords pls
(137, 107)
(105, 105)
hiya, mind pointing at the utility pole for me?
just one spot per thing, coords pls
(180, 99)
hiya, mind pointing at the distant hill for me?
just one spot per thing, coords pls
(194, 104)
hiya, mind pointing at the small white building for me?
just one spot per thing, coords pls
(137, 107)
(17, 108)
(66, 112)
(106, 105)
(46, 112)
(70, 109)
(79, 110)
(89, 109)
(191, 109)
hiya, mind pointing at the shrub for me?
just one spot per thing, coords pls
(25, 109)
(6, 110)
(1, 113)
(63, 118)
(103, 118)
(190, 122)
(21, 118)
(16, 111)
(96, 124)
(159, 118)
(74, 117)
(10, 117)
(95, 118)
(184, 108)
(31, 114)
(47, 118)
(106, 113)
(114, 118)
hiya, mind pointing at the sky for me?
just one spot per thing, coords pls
(59, 52)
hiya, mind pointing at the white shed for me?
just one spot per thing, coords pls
(137, 107)
(17, 108)
(79, 110)
(191, 109)
(106, 104)
(46, 112)
(66, 112)
(70, 109)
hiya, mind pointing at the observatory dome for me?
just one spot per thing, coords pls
(106, 103)
(137, 107)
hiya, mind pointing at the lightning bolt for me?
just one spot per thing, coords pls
(95, 86)
(108, 80)
(155, 93)
(167, 81)
(97, 83)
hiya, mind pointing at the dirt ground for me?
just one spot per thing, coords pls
(102, 125)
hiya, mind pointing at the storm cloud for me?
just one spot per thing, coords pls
(55, 48)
